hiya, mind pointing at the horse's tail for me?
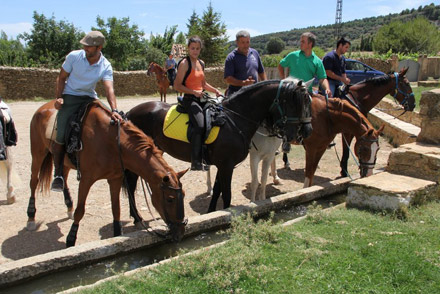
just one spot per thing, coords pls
(45, 174)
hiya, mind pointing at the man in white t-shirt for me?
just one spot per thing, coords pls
(75, 85)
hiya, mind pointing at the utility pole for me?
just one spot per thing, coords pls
(338, 24)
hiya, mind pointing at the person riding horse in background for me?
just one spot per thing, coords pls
(192, 85)
(334, 64)
(243, 66)
(170, 66)
(75, 86)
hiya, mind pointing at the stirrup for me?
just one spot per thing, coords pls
(57, 184)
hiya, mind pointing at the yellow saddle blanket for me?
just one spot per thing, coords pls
(175, 126)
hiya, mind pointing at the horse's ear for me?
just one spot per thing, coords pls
(309, 83)
(300, 83)
(403, 71)
(380, 130)
(181, 173)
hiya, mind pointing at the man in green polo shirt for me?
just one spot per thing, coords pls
(304, 64)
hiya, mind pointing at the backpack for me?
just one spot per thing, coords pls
(188, 72)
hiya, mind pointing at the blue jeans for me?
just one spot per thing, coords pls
(333, 85)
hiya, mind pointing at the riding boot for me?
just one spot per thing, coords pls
(196, 152)
(58, 161)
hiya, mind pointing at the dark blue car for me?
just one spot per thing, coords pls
(357, 71)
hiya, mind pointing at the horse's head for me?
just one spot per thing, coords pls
(402, 91)
(366, 149)
(291, 110)
(170, 204)
(151, 69)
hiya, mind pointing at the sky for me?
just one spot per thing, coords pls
(154, 16)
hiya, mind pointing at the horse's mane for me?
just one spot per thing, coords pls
(360, 116)
(377, 81)
(250, 88)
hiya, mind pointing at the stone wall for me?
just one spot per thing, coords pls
(28, 83)
(430, 117)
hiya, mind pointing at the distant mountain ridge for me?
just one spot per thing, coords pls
(354, 30)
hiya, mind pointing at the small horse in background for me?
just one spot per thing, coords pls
(107, 149)
(333, 116)
(161, 78)
(263, 148)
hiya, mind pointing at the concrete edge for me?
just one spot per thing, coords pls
(32, 267)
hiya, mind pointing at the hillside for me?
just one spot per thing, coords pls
(354, 30)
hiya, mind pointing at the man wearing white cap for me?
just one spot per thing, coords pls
(76, 83)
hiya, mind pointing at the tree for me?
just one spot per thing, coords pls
(212, 31)
(180, 39)
(123, 41)
(275, 45)
(12, 52)
(164, 43)
(50, 41)
(193, 24)
(415, 36)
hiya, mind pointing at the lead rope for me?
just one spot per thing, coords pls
(126, 184)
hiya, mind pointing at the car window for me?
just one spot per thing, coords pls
(355, 66)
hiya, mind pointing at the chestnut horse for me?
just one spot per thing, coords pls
(106, 149)
(367, 94)
(285, 103)
(161, 78)
(339, 116)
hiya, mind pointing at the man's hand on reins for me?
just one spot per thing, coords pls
(117, 117)
(59, 103)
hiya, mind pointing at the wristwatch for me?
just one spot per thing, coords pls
(114, 110)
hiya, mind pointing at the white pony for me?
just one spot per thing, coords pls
(263, 147)
(6, 171)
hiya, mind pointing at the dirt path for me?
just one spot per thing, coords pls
(17, 242)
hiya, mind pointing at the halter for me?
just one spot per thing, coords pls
(367, 164)
(284, 119)
(397, 91)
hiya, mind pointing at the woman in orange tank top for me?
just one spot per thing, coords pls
(193, 87)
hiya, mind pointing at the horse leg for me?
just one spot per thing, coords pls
(37, 161)
(274, 173)
(345, 154)
(66, 192)
(286, 161)
(312, 160)
(115, 189)
(83, 190)
(132, 179)
(264, 172)
(225, 181)
(208, 181)
(215, 193)
(254, 159)
(11, 194)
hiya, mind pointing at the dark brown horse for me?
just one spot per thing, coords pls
(367, 94)
(106, 150)
(286, 105)
(339, 116)
(161, 78)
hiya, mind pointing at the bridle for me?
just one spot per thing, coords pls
(178, 192)
(367, 165)
(280, 106)
(397, 90)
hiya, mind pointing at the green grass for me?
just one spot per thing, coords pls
(417, 94)
(346, 251)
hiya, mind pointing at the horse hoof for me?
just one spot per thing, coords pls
(31, 226)
(140, 225)
(277, 182)
(287, 166)
(70, 214)
(11, 200)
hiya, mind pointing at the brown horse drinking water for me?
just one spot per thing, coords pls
(161, 78)
(286, 105)
(106, 149)
(339, 116)
(367, 94)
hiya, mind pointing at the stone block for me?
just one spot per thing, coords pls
(430, 117)
(417, 160)
(386, 191)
